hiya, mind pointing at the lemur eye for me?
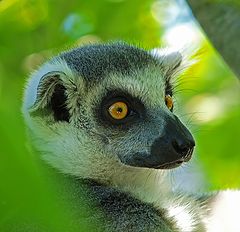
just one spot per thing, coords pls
(169, 102)
(118, 110)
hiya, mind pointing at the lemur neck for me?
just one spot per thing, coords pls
(144, 183)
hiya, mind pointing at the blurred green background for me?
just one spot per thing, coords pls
(208, 95)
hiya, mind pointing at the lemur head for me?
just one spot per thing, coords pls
(100, 108)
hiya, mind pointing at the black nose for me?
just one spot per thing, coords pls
(173, 147)
(183, 147)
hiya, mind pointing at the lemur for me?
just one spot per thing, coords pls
(102, 116)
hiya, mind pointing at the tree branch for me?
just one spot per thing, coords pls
(220, 19)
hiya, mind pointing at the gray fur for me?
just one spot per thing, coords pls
(91, 153)
(94, 62)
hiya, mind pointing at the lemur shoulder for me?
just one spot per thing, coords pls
(102, 116)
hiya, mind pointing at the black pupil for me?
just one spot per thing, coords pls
(119, 109)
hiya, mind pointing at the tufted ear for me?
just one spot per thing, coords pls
(169, 60)
(51, 97)
(172, 60)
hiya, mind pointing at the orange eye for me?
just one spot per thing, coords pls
(118, 110)
(169, 102)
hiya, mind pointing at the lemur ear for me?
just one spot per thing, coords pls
(169, 60)
(51, 97)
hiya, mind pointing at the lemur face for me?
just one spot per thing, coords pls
(105, 106)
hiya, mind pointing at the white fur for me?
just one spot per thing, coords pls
(182, 217)
(225, 212)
